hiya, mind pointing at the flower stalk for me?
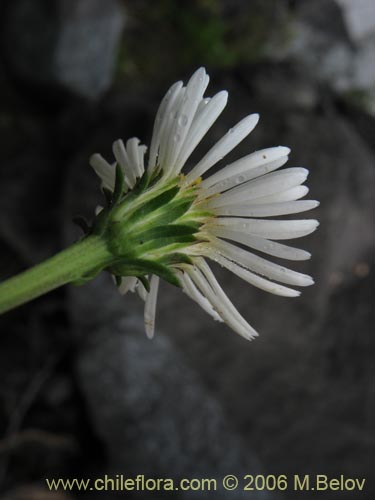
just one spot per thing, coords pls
(76, 264)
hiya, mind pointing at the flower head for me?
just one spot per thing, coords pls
(160, 222)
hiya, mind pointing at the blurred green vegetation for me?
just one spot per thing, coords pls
(167, 37)
(359, 98)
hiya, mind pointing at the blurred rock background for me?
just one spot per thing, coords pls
(83, 393)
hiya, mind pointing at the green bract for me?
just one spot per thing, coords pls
(148, 229)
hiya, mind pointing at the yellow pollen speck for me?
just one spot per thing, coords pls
(197, 181)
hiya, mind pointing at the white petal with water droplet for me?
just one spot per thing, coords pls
(253, 279)
(230, 140)
(261, 244)
(267, 209)
(261, 266)
(159, 123)
(263, 186)
(273, 229)
(203, 121)
(245, 164)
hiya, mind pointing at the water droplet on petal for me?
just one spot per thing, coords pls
(182, 121)
(240, 179)
(268, 246)
(177, 138)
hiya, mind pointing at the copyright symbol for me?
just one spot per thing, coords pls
(230, 482)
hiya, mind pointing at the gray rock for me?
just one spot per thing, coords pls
(359, 17)
(153, 414)
(86, 47)
(30, 180)
(64, 43)
(321, 42)
(335, 42)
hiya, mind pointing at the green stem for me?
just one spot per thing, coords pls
(69, 265)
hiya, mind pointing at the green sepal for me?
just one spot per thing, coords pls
(194, 226)
(200, 215)
(119, 185)
(88, 276)
(155, 177)
(101, 222)
(172, 230)
(154, 204)
(176, 209)
(160, 243)
(140, 267)
(82, 223)
(175, 258)
(143, 184)
(145, 282)
(108, 196)
(159, 237)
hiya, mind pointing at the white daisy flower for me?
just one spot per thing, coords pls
(164, 223)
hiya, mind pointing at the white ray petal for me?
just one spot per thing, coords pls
(228, 142)
(134, 155)
(184, 116)
(150, 306)
(103, 170)
(267, 209)
(259, 243)
(253, 279)
(206, 281)
(192, 291)
(263, 186)
(123, 160)
(142, 149)
(205, 117)
(161, 114)
(129, 283)
(272, 229)
(168, 122)
(246, 176)
(202, 105)
(222, 308)
(141, 290)
(249, 162)
(292, 194)
(261, 266)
